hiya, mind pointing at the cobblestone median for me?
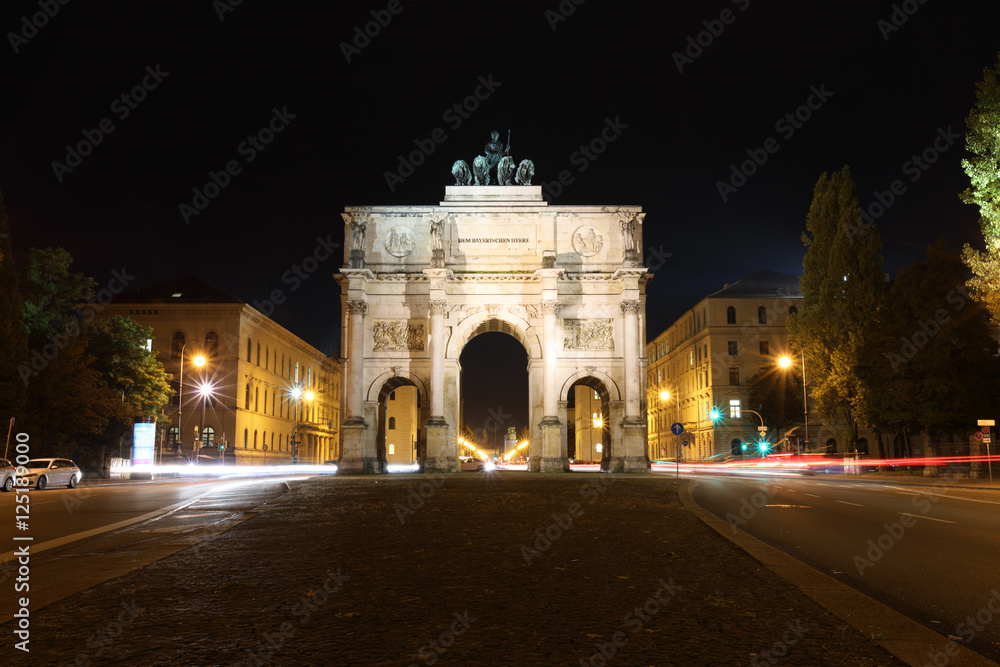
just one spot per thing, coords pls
(474, 569)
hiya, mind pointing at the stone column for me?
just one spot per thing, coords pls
(632, 455)
(437, 425)
(553, 457)
(354, 458)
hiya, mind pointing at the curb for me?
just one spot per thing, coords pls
(901, 636)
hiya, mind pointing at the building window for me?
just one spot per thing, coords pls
(734, 376)
(265, 401)
(267, 356)
(172, 438)
(246, 403)
(691, 358)
(249, 347)
(176, 344)
(256, 399)
(258, 353)
(255, 439)
(730, 315)
(765, 348)
(392, 449)
(392, 423)
(734, 348)
(762, 315)
(246, 437)
(207, 436)
(211, 344)
(793, 310)
(734, 408)
(263, 440)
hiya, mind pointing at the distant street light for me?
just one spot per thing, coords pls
(298, 393)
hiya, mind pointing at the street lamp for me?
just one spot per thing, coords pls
(199, 361)
(298, 393)
(786, 362)
(207, 391)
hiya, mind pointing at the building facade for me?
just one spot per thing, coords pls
(704, 359)
(262, 392)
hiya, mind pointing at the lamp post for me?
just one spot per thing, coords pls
(298, 393)
(199, 361)
(785, 362)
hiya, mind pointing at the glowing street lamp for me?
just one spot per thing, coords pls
(298, 393)
(786, 362)
(199, 361)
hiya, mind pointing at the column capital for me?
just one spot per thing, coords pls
(438, 307)
(358, 307)
(630, 306)
(551, 307)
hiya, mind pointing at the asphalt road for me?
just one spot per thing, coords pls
(927, 551)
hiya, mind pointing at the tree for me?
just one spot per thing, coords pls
(983, 170)
(940, 364)
(52, 295)
(842, 283)
(13, 336)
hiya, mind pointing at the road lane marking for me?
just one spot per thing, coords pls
(811, 494)
(847, 503)
(921, 516)
(945, 495)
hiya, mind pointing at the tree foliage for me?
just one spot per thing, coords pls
(13, 337)
(52, 295)
(982, 139)
(842, 284)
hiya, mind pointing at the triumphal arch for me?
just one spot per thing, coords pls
(567, 282)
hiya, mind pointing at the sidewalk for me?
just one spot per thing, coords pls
(471, 569)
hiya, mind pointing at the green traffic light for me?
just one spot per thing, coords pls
(713, 414)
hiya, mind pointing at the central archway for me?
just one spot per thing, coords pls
(493, 393)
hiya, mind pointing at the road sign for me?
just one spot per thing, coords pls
(986, 430)
(762, 430)
(986, 439)
(979, 436)
(264, 448)
(685, 443)
(677, 428)
(986, 422)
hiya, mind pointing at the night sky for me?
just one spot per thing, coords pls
(345, 105)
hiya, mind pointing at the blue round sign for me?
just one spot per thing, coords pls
(677, 428)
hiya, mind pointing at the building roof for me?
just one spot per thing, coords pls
(763, 283)
(180, 290)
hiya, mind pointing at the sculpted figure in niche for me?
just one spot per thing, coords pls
(628, 231)
(358, 228)
(437, 234)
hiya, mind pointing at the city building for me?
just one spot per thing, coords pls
(704, 359)
(244, 386)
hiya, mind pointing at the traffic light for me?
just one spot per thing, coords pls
(764, 446)
(744, 446)
(714, 414)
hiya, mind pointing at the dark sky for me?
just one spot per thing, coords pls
(887, 94)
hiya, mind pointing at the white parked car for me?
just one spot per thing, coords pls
(46, 472)
(7, 470)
